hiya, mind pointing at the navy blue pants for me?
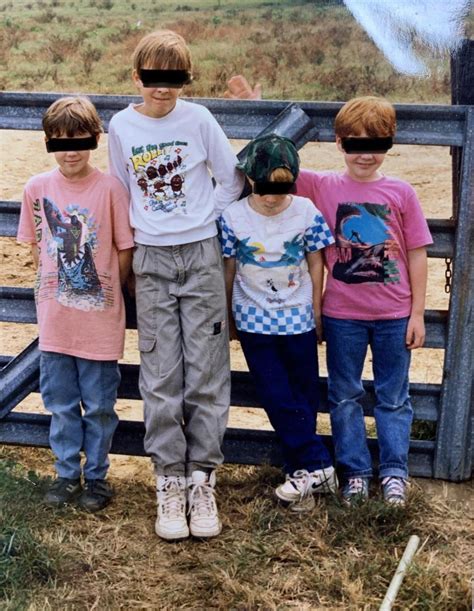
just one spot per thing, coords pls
(285, 371)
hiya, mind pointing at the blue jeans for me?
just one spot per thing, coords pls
(66, 383)
(285, 371)
(347, 342)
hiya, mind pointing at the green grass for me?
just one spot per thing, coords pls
(25, 562)
(297, 50)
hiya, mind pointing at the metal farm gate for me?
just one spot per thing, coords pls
(448, 405)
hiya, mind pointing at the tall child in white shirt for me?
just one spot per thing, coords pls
(272, 242)
(163, 151)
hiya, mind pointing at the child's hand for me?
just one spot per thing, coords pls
(415, 337)
(239, 89)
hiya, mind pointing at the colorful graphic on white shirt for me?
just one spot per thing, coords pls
(273, 289)
(159, 173)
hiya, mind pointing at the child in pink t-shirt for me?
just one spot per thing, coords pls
(76, 220)
(375, 295)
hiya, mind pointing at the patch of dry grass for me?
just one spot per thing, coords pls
(296, 50)
(265, 558)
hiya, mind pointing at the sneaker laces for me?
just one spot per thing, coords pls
(171, 498)
(356, 485)
(301, 480)
(201, 499)
(394, 486)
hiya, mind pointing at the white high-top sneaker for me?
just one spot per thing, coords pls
(204, 519)
(302, 484)
(171, 523)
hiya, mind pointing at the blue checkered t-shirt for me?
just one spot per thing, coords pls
(273, 292)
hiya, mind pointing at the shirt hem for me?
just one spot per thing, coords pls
(125, 245)
(82, 355)
(359, 316)
(276, 332)
(194, 235)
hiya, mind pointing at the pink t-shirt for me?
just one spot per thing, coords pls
(375, 224)
(79, 228)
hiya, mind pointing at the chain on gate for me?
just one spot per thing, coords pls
(448, 274)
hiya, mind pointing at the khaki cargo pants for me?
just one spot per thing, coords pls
(184, 354)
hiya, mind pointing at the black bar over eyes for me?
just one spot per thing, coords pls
(165, 78)
(56, 145)
(366, 145)
(273, 188)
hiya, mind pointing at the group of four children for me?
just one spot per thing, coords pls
(261, 282)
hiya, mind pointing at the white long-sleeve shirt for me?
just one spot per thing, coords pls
(166, 165)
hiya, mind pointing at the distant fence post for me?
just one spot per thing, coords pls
(453, 458)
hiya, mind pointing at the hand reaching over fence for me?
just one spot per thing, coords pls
(240, 89)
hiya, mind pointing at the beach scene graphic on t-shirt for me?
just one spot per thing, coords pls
(277, 277)
(72, 240)
(158, 170)
(253, 253)
(366, 251)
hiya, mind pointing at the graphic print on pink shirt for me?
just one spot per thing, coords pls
(158, 171)
(366, 251)
(71, 241)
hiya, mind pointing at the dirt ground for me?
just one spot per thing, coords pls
(22, 155)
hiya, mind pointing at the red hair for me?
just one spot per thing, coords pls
(370, 114)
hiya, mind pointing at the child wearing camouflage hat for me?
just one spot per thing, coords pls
(271, 243)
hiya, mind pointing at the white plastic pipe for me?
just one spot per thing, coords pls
(410, 549)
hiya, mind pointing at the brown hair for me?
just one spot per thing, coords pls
(71, 116)
(374, 115)
(163, 49)
(281, 175)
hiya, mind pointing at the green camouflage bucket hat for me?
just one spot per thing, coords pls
(267, 153)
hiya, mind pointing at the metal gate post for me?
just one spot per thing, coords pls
(462, 92)
(454, 443)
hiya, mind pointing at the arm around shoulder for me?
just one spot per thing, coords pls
(222, 162)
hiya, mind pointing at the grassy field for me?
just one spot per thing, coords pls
(266, 558)
(296, 49)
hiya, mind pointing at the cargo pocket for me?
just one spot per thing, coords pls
(218, 348)
(146, 344)
(148, 358)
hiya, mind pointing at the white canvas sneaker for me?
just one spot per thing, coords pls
(204, 519)
(302, 484)
(171, 523)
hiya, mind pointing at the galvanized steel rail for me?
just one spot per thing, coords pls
(449, 404)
